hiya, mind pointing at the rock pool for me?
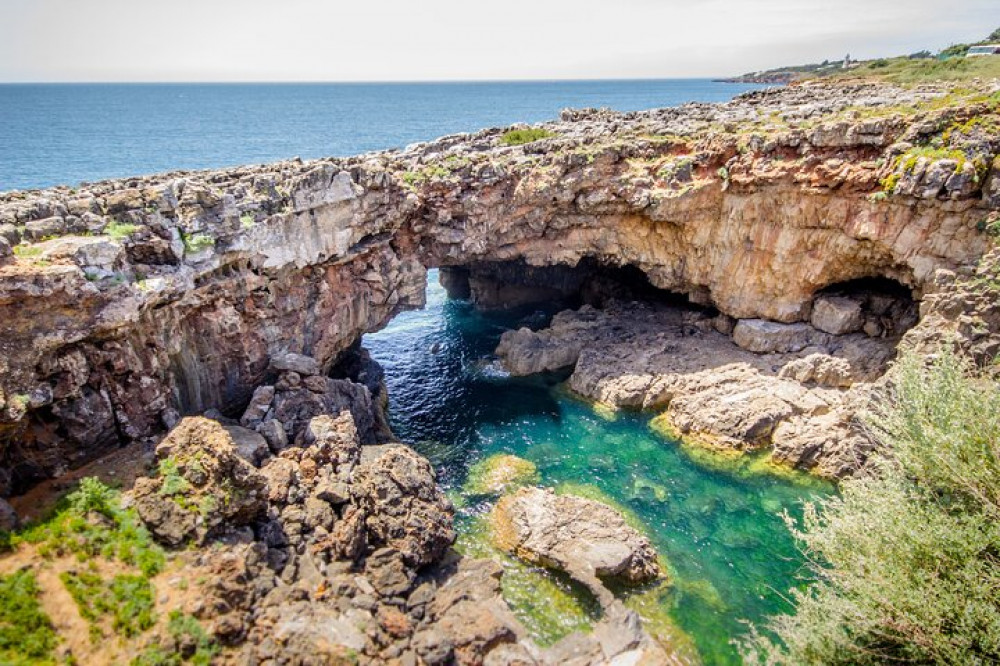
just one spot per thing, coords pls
(717, 523)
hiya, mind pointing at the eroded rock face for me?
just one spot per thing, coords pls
(204, 486)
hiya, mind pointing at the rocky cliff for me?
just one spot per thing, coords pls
(127, 304)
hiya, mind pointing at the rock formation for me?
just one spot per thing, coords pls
(126, 304)
(799, 227)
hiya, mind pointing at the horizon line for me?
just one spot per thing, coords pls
(717, 78)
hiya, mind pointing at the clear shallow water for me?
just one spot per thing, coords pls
(717, 523)
(63, 134)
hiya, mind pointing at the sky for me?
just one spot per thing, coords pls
(424, 40)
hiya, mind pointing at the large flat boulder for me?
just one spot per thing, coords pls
(837, 315)
(582, 537)
(770, 337)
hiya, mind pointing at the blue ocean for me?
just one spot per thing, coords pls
(68, 133)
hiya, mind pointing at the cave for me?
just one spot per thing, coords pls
(495, 286)
(879, 306)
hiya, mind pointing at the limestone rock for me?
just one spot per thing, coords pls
(766, 337)
(303, 365)
(822, 369)
(837, 315)
(579, 536)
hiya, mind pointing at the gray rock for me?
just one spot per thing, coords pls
(303, 365)
(250, 446)
(36, 230)
(837, 315)
(580, 536)
(767, 337)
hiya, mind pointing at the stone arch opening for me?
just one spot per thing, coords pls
(881, 307)
(512, 284)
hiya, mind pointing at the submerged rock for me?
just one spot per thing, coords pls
(499, 474)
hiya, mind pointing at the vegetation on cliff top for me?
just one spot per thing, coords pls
(520, 137)
(907, 558)
(948, 65)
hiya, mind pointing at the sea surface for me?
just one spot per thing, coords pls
(53, 134)
(717, 522)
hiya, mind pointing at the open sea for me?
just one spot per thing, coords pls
(52, 134)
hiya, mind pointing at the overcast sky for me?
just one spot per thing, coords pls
(397, 40)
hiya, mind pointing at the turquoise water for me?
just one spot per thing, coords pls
(717, 523)
(67, 133)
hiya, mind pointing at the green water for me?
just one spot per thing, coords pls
(717, 523)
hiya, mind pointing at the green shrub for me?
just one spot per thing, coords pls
(92, 495)
(122, 538)
(906, 560)
(118, 230)
(185, 631)
(519, 137)
(26, 632)
(197, 242)
(126, 598)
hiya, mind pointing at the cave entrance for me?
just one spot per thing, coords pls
(878, 306)
(509, 285)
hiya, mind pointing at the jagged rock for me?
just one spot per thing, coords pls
(204, 486)
(767, 337)
(822, 369)
(579, 536)
(310, 255)
(837, 315)
(405, 509)
(6, 252)
(525, 352)
(303, 365)
(250, 446)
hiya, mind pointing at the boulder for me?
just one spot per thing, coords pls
(250, 445)
(822, 369)
(204, 487)
(303, 365)
(525, 352)
(837, 315)
(770, 337)
(37, 230)
(582, 537)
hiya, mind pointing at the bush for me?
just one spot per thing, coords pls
(905, 561)
(26, 633)
(92, 495)
(520, 137)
